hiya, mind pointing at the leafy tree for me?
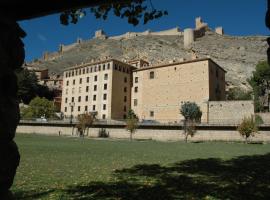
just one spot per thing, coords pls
(27, 85)
(239, 94)
(132, 10)
(260, 82)
(39, 107)
(131, 122)
(192, 114)
(85, 121)
(247, 128)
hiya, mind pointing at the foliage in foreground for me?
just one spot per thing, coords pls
(39, 107)
(239, 94)
(248, 128)
(131, 123)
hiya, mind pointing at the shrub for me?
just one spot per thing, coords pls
(131, 123)
(247, 128)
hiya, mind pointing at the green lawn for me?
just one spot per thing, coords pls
(76, 168)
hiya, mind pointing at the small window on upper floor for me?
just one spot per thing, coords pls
(87, 79)
(95, 87)
(105, 76)
(152, 75)
(135, 102)
(125, 79)
(80, 80)
(136, 89)
(95, 79)
(152, 113)
(105, 86)
(104, 67)
(108, 66)
(136, 80)
(67, 83)
(74, 82)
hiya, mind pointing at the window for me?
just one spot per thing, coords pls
(104, 106)
(136, 79)
(125, 79)
(124, 69)
(99, 67)
(86, 98)
(152, 75)
(136, 89)
(104, 96)
(125, 108)
(87, 88)
(151, 113)
(80, 72)
(104, 67)
(87, 79)
(80, 80)
(115, 66)
(72, 73)
(66, 100)
(79, 108)
(72, 99)
(87, 70)
(95, 79)
(95, 87)
(74, 82)
(105, 86)
(91, 69)
(94, 107)
(79, 99)
(76, 72)
(108, 66)
(120, 68)
(95, 68)
(65, 109)
(67, 83)
(125, 98)
(83, 71)
(103, 116)
(125, 89)
(95, 97)
(105, 76)
(72, 109)
(85, 108)
(135, 103)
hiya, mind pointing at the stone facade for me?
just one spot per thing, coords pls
(103, 87)
(157, 92)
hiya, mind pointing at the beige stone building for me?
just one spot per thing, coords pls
(159, 91)
(103, 87)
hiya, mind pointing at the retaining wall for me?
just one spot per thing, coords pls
(160, 133)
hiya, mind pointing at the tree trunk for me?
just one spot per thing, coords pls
(11, 58)
(130, 136)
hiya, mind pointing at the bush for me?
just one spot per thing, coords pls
(258, 120)
(247, 128)
(239, 94)
(191, 111)
(102, 133)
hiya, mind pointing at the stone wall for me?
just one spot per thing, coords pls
(159, 133)
(229, 112)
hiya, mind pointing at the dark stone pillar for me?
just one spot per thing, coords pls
(11, 58)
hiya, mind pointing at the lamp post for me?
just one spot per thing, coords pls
(71, 104)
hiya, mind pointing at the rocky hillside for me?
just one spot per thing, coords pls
(237, 55)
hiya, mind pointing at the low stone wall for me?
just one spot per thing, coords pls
(229, 112)
(160, 133)
(265, 117)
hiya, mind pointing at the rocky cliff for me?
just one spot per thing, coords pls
(237, 55)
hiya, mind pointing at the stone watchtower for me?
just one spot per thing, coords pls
(100, 34)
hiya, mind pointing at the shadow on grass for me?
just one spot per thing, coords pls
(33, 194)
(246, 177)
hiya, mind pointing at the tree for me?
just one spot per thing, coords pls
(39, 107)
(238, 93)
(260, 82)
(29, 88)
(131, 123)
(85, 121)
(247, 128)
(192, 114)
(27, 85)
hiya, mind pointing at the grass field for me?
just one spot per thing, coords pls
(77, 168)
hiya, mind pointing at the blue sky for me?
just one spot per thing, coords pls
(238, 17)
